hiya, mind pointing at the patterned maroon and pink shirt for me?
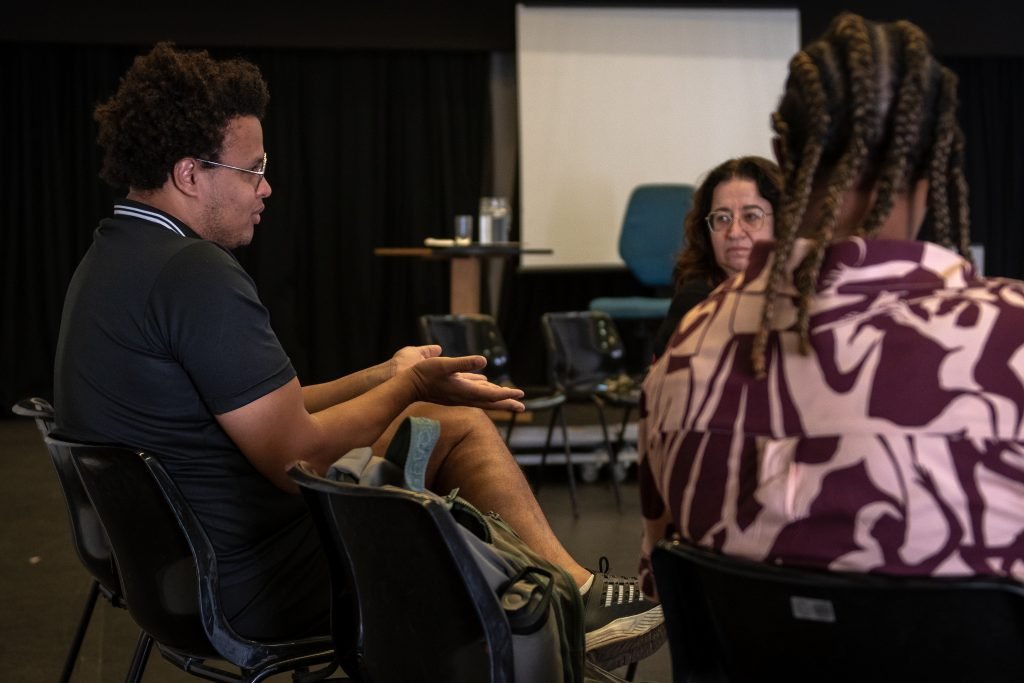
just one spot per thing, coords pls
(895, 446)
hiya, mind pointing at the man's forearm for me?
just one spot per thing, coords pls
(317, 397)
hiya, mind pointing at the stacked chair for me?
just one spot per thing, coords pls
(586, 361)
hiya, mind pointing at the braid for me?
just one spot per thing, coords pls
(956, 177)
(798, 181)
(938, 170)
(952, 214)
(864, 120)
(906, 124)
(865, 106)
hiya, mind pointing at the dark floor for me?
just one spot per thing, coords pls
(43, 588)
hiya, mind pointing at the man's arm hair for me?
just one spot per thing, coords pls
(318, 397)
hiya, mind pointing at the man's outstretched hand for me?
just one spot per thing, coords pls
(457, 382)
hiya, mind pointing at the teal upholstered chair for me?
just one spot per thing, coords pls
(652, 235)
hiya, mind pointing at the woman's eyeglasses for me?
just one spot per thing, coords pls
(751, 220)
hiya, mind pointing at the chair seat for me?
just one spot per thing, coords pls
(632, 307)
(542, 402)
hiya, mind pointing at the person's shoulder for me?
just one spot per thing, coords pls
(194, 253)
(204, 268)
(695, 286)
(1002, 292)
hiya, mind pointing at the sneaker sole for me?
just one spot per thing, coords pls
(626, 640)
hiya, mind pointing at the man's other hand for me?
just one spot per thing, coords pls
(408, 356)
(456, 381)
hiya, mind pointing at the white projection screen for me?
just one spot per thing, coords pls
(614, 97)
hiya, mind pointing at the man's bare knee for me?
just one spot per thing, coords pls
(456, 421)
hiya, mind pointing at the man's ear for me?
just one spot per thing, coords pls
(183, 176)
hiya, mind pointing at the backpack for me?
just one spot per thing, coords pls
(540, 599)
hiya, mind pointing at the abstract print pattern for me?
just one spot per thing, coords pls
(896, 445)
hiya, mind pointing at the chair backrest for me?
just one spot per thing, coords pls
(733, 620)
(584, 350)
(153, 556)
(463, 335)
(40, 410)
(405, 589)
(167, 565)
(87, 535)
(652, 231)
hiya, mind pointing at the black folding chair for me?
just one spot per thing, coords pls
(169, 574)
(586, 360)
(408, 601)
(87, 536)
(733, 620)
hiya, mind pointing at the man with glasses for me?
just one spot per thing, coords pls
(165, 345)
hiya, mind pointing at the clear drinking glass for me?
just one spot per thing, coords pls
(495, 220)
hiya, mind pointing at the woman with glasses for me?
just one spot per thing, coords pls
(733, 208)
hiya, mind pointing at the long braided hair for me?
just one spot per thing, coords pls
(865, 106)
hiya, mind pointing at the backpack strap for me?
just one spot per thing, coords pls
(404, 465)
(411, 448)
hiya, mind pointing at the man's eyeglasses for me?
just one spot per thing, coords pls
(260, 170)
(751, 220)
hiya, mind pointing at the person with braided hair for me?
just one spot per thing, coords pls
(854, 400)
(733, 207)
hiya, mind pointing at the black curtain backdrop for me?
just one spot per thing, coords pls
(366, 149)
(992, 116)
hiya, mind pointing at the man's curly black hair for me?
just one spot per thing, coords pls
(173, 104)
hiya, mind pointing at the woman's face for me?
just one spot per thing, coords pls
(740, 216)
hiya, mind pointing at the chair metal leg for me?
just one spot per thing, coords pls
(568, 458)
(83, 624)
(547, 447)
(620, 444)
(631, 671)
(612, 454)
(140, 658)
(508, 429)
(626, 412)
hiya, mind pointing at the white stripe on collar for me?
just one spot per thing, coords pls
(151, 216)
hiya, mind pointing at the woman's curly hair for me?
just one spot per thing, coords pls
(169, 105)
(697, 261)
